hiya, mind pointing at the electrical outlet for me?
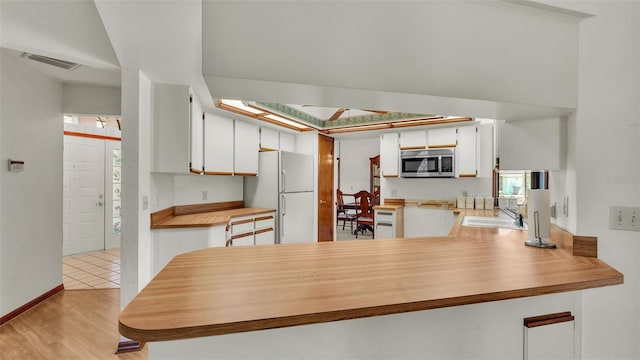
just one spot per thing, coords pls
(205, 195)
(624, 218)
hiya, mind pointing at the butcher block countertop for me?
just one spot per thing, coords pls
(228, 290)
(202, 215)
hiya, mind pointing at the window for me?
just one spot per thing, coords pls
(514, 184)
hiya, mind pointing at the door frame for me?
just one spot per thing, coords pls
(108, 143)
(326, 192)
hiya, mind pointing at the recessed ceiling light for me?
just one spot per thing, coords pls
(285, 121)
(240, 105)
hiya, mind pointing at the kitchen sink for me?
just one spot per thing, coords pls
(491, 222)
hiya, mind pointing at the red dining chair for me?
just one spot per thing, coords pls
(364, 216)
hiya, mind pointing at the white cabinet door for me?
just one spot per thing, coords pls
(385, 224)
(269, 139)
(171, 119)
(466, 152)
(384, 231)
(287, 142)
(197, 137)
(246, 146)
(218, 145)
(389, 155)
(265, 237)
(410, 140)
(243, 240)
(167, 243)
(553, 341)
(442, 137)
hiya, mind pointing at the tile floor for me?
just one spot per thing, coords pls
(93, 270)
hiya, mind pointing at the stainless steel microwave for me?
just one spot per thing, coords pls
(428, 163)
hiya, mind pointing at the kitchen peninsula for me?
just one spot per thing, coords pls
(464, 294)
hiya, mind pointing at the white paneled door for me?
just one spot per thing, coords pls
(84, 198)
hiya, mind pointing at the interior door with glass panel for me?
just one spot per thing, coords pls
(83, 195)
(113, 187)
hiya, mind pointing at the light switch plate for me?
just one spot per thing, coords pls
(624, 218)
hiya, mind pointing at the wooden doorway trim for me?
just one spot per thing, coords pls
(325, 188)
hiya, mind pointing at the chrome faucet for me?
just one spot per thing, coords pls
(518, 218)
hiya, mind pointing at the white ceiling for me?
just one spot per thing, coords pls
(360, 55)
(161, 38)
(66, 30)
(478, 58)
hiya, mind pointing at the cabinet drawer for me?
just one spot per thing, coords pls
(385, 216)
(241, 226)
(265, 237)
(245, 239)
(264, 222)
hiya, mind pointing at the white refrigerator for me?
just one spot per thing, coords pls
(285, 183)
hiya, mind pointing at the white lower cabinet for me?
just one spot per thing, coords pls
(167, 243)
(388, 223)
(549, 338)
(490, 330)
(252, 230)
(245, 239)
(265, 237)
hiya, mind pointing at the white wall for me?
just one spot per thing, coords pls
(607, 166)
(458, 49)
(434, 189)
(136, 185)
(31, 202)
(354, 163)
(187, 189)
(91, 100)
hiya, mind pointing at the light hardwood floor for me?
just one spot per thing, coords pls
(73, 324)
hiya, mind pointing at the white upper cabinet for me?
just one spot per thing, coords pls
(466, 152)
(246, 148)
(389, 155)
(287, 142)
(269, 139)
(442, 137)
(410, 140)
(218, 145)
(171, 118)
(197, 137)
(530, 144)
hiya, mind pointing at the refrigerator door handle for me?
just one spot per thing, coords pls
(284, 204)
(284, 212)
(284, 182)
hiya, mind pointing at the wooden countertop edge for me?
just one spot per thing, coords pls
(164, 223)
(346, 314)
(181, 226)
(388, 207)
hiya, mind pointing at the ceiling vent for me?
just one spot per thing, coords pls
(67, 65)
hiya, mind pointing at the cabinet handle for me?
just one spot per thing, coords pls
(383, 224)
(548, 319)
(384, 213)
